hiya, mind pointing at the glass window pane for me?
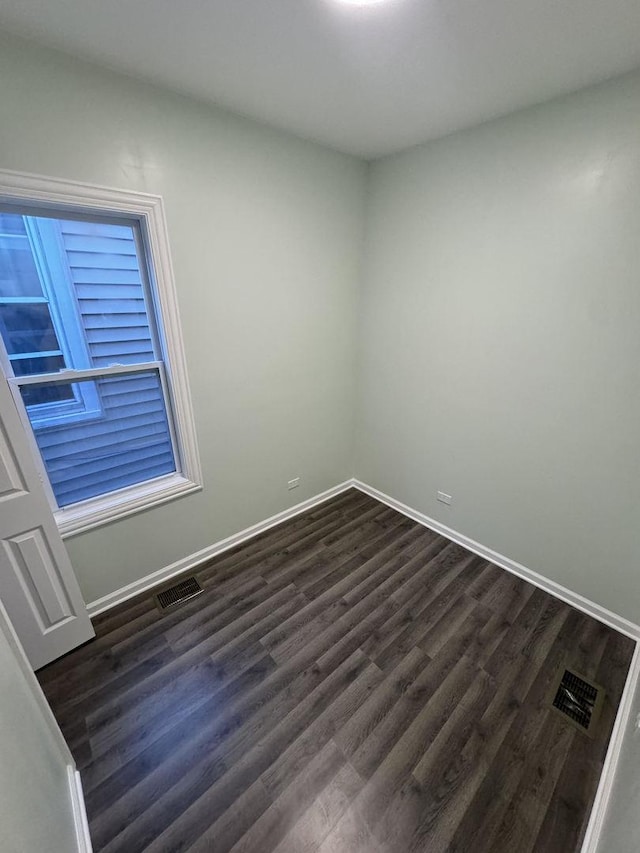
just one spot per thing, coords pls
(127, 442)
(108, 285)
(38, 395)
(18, 273)
(41, 364)
(93, 276)
(27, 328)
(12, 223)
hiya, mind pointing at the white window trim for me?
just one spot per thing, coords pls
(148, 209)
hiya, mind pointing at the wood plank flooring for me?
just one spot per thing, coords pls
(349, 682)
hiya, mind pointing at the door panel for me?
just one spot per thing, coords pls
(37, 574)
(10, 480)
(37, 583)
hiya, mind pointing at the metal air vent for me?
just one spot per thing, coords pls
(578, 700)
(171, 597)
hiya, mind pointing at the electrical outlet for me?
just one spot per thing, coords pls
(293, 484)
(444, 498)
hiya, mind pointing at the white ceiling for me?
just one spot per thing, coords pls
(369, 80)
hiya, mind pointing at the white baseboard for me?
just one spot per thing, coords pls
(619, 623)
(192, 561)
(613, 620)
(83, 839)
(605, 786)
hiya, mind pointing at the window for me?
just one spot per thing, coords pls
(38, 320)
(96, 373)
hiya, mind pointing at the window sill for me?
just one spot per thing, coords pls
(106, 509)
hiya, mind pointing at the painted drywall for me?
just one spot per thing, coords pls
(265, 232)
(35, 803)
(500, 338)
(621, 829)
(498, 348)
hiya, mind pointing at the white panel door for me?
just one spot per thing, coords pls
(37, 584)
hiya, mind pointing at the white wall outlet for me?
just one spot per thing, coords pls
(444, 498)
(293, 484)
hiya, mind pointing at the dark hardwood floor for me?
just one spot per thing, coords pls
(349, 682)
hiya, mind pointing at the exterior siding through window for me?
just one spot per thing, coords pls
(126, 439)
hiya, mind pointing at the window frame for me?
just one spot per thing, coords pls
(73, 199)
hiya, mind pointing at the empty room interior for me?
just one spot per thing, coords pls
(320, 426)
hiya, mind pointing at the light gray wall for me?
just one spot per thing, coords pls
(35, 803)
(265, 234)
(621, 828)
(499, 354)
(500, 337)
